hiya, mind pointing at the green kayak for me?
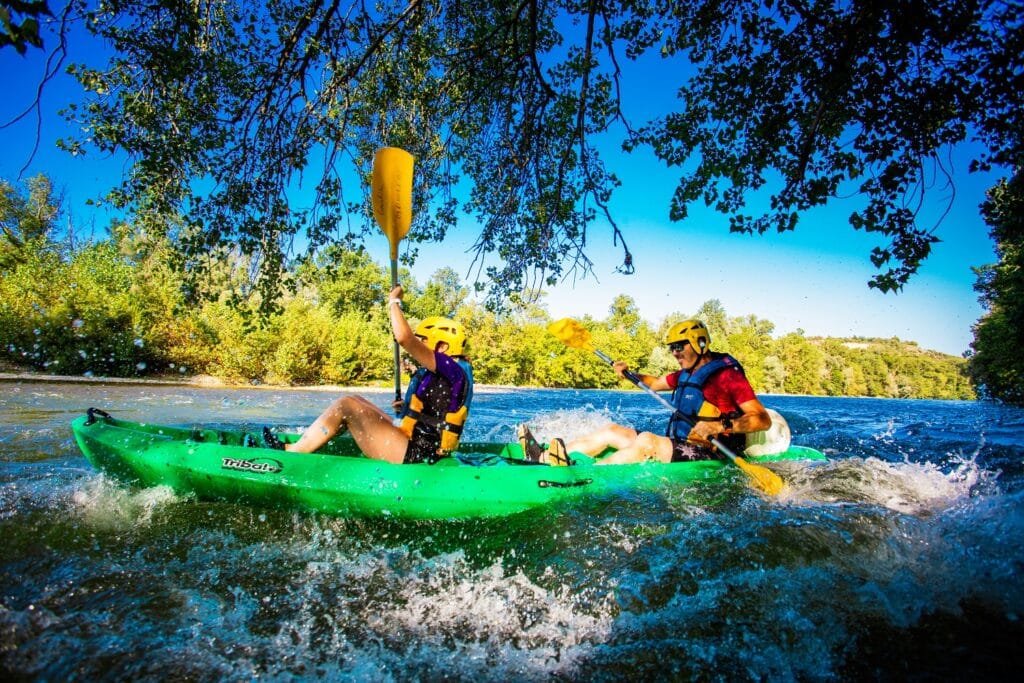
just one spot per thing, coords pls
(483, 480)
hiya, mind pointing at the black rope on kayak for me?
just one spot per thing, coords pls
(545, 484)
(519, 462)
(93, 412)
(491, 459)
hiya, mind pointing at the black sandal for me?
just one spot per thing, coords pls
(556, 454)
(270, 440)
(531, 449)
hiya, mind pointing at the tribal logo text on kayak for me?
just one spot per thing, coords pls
(257, 465)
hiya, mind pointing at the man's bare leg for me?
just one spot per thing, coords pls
(646, 446)
(611, 435)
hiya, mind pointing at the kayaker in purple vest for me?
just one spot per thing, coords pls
(436, 403)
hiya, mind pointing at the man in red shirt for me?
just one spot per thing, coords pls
(709, 387)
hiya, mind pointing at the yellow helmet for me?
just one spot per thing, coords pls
(436, 329)
(693, 331)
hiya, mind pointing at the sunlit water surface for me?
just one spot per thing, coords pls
(900, 559)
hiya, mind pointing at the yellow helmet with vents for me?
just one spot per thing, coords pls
(436, 329)
(693, 331)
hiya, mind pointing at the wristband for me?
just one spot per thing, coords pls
(395, 301)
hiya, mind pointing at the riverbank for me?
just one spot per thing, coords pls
(206, 381)
(211, 382)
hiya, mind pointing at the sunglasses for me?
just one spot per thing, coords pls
(678, 346)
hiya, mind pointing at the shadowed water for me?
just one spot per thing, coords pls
(899, 559)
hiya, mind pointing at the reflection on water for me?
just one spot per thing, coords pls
(900, 558)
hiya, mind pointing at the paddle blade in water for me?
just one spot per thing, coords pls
(392, 194)
(764, 478)
(571, 333)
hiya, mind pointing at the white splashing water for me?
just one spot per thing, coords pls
(450, 616)
(905, 487)
(106, 504)
(569, 424)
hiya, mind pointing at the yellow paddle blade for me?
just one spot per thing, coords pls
(392, 194)
(764, 478)
(571, 333)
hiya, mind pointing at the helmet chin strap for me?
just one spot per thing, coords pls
(700, 355)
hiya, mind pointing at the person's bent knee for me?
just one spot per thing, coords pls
(616, 435)
(649, 446)
(620, 430)
(348, 405)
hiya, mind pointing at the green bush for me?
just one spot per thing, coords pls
(73, 317)
(360, 351)
(303, 345)
(243, 344)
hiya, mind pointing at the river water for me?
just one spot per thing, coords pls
(899, 559)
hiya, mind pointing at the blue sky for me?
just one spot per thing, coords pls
(814, 278)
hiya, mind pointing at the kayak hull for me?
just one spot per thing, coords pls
(215, 465)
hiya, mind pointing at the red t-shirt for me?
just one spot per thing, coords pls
(725, 389)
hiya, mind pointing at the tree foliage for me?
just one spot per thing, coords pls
(19, 23)
(115, 308)
(997, 364)
(231, 111)
(27, 219)
(805, 101)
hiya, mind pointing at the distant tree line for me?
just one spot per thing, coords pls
(115, 307)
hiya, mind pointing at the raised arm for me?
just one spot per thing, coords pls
(404, 335)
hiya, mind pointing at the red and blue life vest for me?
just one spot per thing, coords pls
(688, 396)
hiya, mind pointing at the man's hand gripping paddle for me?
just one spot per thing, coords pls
(392, 207)
(574, 335)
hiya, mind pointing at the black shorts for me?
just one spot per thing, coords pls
(423, 447)
(683, 451)
(418, 452)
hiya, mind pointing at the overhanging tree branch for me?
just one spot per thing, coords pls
(808, 100)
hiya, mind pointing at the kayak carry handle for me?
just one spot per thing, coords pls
(91, 414)
(547, 484)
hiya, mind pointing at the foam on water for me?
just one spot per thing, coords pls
(105, 503)
(570, 423)
(907, 487)
(363, 615)
(500, 619)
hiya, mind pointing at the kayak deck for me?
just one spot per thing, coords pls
(483, 480)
